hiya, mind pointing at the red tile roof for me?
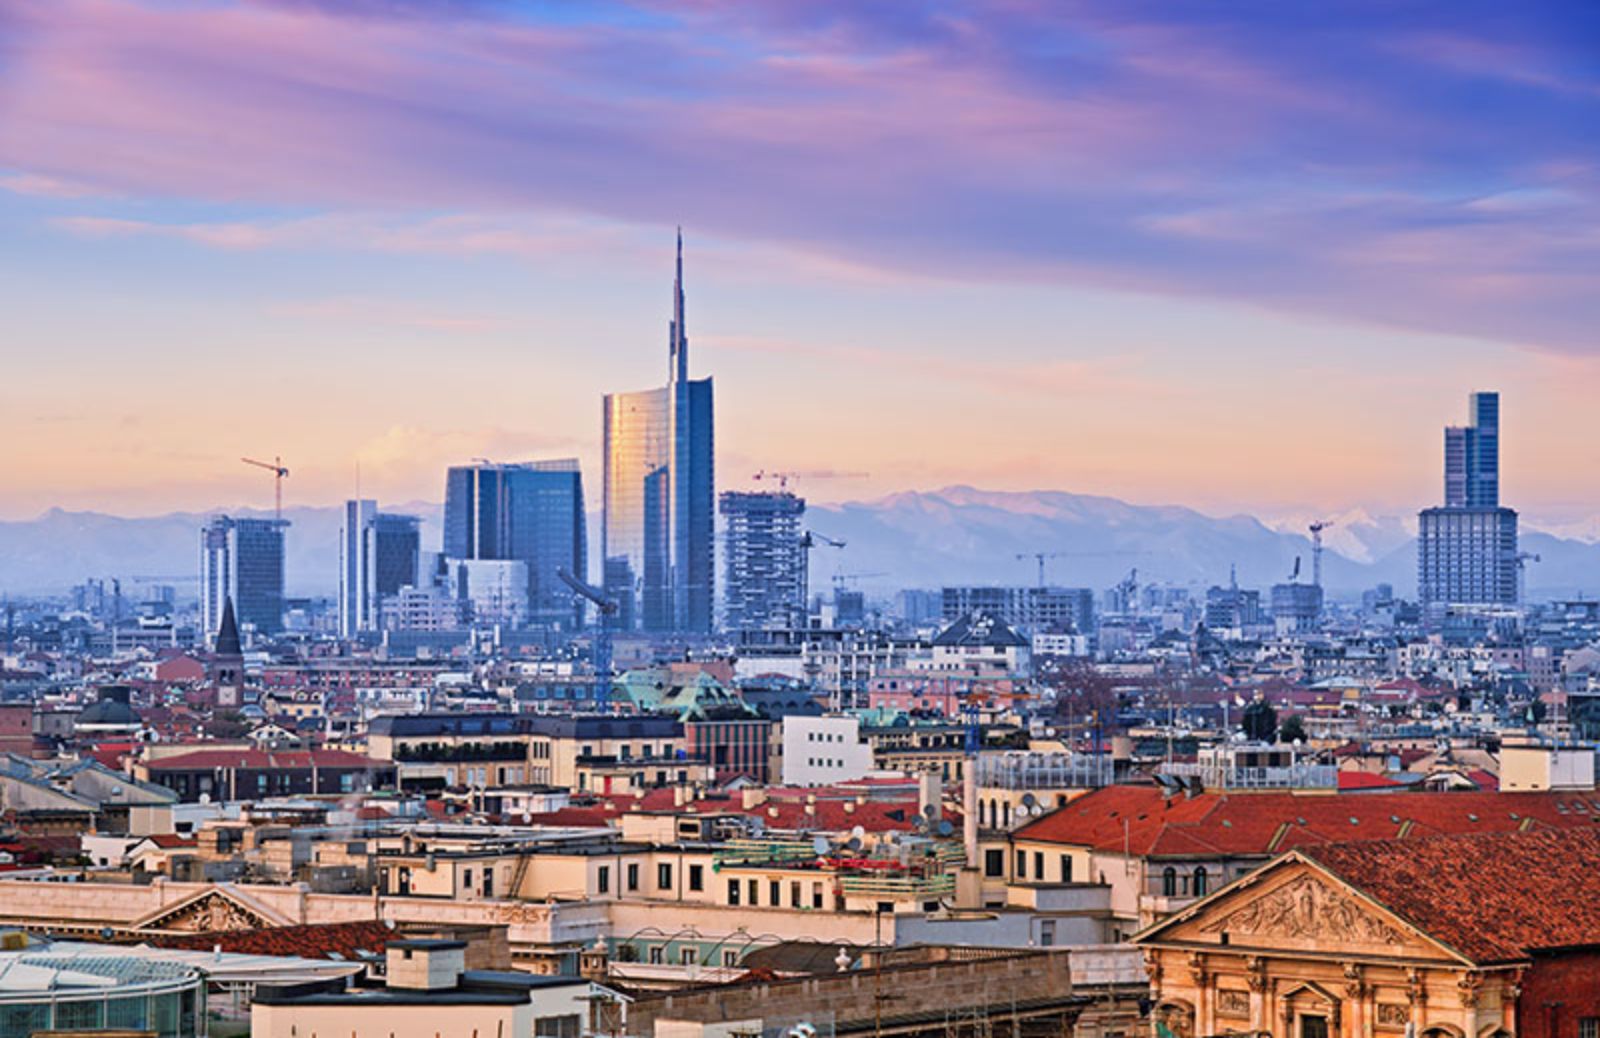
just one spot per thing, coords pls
(1493, 898)
(1148, 823)
(316, 941)
(203, 759)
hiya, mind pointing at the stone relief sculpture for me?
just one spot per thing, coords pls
(1307, 907)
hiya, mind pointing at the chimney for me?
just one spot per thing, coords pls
(929, 795)
(425, 964)
(969, 812)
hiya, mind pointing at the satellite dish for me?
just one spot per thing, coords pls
(858, 832)
(945, 828)
(854, 843)
(1027, 800)
(930, 811)
(820, 844)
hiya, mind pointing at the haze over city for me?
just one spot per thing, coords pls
(1239, 263)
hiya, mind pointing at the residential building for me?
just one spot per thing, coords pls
(428, 989)
(765, 585)
(531, 512)
(242, 559)
(657, 536)
(821, 751)
(1033, 609)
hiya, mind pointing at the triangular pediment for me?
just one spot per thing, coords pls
(1293, 906)
(207, 911)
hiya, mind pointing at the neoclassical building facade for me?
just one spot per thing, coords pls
(1431, 938)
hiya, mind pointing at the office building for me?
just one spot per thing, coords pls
(1467, 550)
(1232, 608)
(1296, 607)
(378, 555)
(765, 554)
(1472, 456)
(531, 513)
(1033, 609)
(242, 559)
(496, 590)
(657, 537)
(1467, 556)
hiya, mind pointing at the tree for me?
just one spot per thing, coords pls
(1260, 721)
(1293, 728)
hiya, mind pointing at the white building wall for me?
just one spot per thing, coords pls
(819, 751)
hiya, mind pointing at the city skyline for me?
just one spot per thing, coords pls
(1121, 230)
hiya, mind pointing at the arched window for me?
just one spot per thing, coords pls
(1169, 882)
(1200, 881)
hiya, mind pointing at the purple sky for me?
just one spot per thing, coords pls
(1250, 257)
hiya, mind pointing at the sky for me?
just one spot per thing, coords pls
(1240, 256)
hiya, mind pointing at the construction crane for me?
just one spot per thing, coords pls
(600, 655)
(1523, 558)
(1128, 590)
(1316, 529)
(1294, 576)
(279, 472)
(1041, 556)
(784, 478)
(809, 539)
(840, 579)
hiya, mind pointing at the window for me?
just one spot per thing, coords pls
(688, 956)
(816, 895)
(466, 878)
(633, 875)
(1589, 1027)
(794, 893)
(754, 887)
(488, 882)
(664, 875)
(775, 893)
(655, 955)
(1066, 868)
(602, 879)
(994, 863)
(1047, 933)
(1038, 865)
(1022, 865)
(1169, 882)
(697, 877)
(1200, 881)
(733, 892)
(730, 957)
(556, 1026)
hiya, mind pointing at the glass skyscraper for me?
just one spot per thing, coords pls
(530, 512)
(242, 559)
(1467, 551)
(1472, 456)
(378, 555)
(658, 533)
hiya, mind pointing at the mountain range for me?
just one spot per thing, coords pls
(922, 539)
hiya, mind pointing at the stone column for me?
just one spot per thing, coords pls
(1355, 990)
(1204, 998)
(1260, 999)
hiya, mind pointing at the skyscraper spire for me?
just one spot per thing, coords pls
(677, 336)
